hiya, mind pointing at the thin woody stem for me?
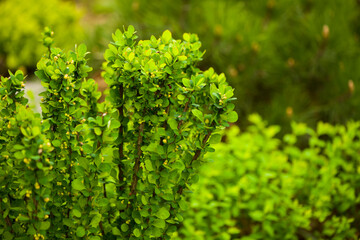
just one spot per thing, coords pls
(198, 151)
(7, 219)
(185, 110)
(137, 161)
(121, 132)
(197, 155)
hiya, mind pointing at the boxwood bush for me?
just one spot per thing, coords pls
(257, 186)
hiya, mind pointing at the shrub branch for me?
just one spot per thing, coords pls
(137, 161)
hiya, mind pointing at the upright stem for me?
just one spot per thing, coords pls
(121, 113)
(7, 219)
(198, 151)
(70, 177)
(8, 222)
(185, 110)
(121, 133)
(102, 228)
(70, 171)
(137, 161)
(197, 155)
(36, 208)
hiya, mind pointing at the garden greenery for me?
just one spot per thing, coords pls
(23, 20)
(287, 59)
(116, 170)
(257, 186)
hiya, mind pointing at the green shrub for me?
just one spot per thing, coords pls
(259, 187)
(116, 170)
(21, 22)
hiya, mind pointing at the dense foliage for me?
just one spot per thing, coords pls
(21, 22)
(288, 59)
(116, 170)
(168, 110)
(127, 168)
(257, 186)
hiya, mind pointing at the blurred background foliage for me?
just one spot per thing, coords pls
(287, 59)
(22, 23)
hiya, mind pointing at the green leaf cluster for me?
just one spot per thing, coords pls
(25, 166)
(257, 186)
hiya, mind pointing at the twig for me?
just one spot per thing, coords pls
(137, 161)
(197, 155)
(185, 110)
(7, 219)
(121, 132)
(198, 151)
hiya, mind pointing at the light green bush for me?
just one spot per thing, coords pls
(116, 170)
(259, 187)
(22, 21)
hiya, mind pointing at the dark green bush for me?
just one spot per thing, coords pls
(259, 187)
(21, 22)
(288, 59)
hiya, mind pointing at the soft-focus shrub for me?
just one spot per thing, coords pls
(22, 21)
(288, 59)
(259, 187)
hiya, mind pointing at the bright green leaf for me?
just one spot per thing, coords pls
(173, 123)
(80, 231)
(137, 232)
(163, 213)
(82, 50)
(45, 225)
(124, 227)
(159, 223)
(215, 138)
(149, 165)
(97, 131)
(76, 213)
(198, 114)
(186, 37)
(232, 117)
(56, 143)
(181, 97)
(166, 36)
(78, 185)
